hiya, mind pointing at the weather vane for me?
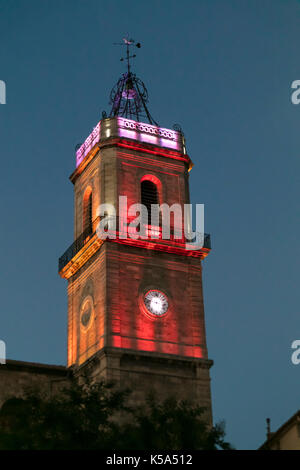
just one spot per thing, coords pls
(129, 96)
(128, 42)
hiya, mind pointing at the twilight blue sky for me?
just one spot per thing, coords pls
(223, 70)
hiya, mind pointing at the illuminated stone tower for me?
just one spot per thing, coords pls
(135, 306)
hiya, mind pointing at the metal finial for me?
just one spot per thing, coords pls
(129, 96)
(268, 427)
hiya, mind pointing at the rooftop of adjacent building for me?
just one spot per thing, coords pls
(35, 367)
(287, 437)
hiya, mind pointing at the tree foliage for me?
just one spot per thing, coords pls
(171, 425)
(97, 416)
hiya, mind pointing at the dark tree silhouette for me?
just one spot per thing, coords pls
(96, 416)
(171, 425)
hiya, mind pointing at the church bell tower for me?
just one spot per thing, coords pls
(135, 303)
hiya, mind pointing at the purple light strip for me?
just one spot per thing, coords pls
(131, 130)
(88, 144)
(149, 134)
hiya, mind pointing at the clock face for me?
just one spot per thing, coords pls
(156, 302)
